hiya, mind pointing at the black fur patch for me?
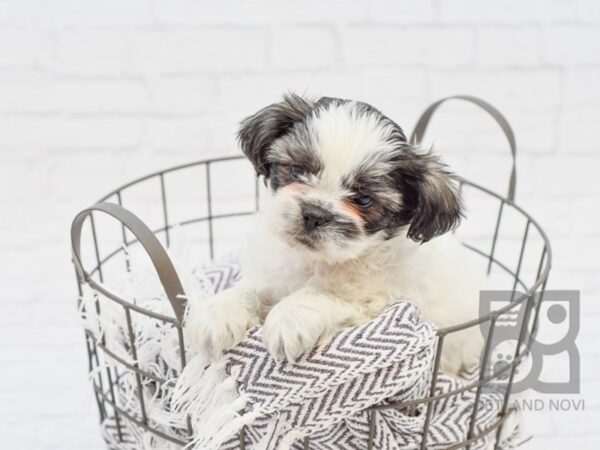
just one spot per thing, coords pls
(375, 178)
(408, 188)
(335, 226)
(431, 202)
(293, 149)
(257, 132)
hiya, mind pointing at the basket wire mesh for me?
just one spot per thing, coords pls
(106, 366)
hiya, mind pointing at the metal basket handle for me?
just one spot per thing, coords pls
(158, 255)
(421, 127)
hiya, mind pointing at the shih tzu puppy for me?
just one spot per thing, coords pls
(354, 222)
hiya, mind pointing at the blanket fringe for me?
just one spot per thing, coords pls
(209, 397)
(222, 425)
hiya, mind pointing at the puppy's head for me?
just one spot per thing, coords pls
(344, 177)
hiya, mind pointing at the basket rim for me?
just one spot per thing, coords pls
(541, 278)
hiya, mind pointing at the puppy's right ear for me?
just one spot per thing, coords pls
(257, 132)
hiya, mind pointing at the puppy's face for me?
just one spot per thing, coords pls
(344, 178)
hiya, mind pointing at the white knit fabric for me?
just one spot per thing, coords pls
(323, 395)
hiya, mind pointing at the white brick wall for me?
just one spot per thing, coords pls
(96, 92)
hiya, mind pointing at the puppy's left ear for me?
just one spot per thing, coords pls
(436, 206)
(257, 132)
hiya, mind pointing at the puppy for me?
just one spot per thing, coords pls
(352, 224)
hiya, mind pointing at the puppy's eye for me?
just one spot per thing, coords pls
(297, 172)
(363, 200)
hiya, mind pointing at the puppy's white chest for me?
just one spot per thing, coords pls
(275, 268)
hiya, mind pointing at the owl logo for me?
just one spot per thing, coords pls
(548, 363)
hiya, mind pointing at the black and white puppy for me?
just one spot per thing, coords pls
(352, 224)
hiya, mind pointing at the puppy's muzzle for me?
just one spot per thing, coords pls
(315, 216)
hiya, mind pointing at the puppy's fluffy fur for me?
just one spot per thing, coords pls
(352, 224)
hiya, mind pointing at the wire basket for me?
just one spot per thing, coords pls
(211, 200)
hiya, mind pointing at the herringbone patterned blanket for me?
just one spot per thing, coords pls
(325, 395)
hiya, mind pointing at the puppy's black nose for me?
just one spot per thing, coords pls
(315, 216)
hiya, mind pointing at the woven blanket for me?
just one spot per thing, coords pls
(325, 395)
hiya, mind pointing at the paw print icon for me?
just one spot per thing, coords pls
(545, 328)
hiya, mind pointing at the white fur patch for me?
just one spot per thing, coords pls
(344, 137)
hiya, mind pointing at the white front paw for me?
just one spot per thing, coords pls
(218, 323)
(294, 326)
